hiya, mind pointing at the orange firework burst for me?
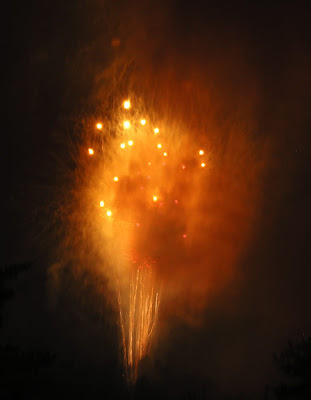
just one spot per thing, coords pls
(140, 185)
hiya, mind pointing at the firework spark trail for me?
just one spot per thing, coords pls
(142, 319)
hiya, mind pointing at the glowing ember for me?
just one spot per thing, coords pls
(159, 146)
(202, 164)
(109, 213)
(91, 151)
(165, 154)
(99, 125)
(130, 142)
(143, 121)
(126, 124)
(116, 179)
(156, 130)
(102, 203)
(201, 152)
(127, 104)
(155, 198)
(122, 145)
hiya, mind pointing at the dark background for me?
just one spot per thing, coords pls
(248, 54)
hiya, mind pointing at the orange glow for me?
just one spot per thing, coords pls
(126, 124)
(101, 203)
(155, 198)
(149, 163)
(159, 146)
(130, 142)
(127, 104)
(202, 164)
(116, 179)
(156, 130)
(143, 121)
(165, 154)
(184, 235)
(122, 145)
(99, 125)
(91, 151)
(109, 213)
(201, 152)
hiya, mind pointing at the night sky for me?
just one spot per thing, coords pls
(212, 66)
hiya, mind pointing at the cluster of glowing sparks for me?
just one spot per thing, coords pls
(140, 143)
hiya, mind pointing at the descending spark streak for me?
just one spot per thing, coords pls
(142, 319)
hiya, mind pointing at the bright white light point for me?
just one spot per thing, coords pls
(156, 130)
(130, 142)
(143, 121)
(101, 203)
(116, 179)
(159, 146)
(122, 145)
(109, 213)
(165, 154)
(184, 235)
(202, 164)
(91, 151)
(126, 124)
(155, 198)
(99, 125)
(201, 152)
(127, 104)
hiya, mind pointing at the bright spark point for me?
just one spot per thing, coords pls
(91, 151)
(143, 121)
(116, 179)
(122, 145)
(201, 152)
(155, 198)
(202, 164)
(126, 124)
(99, 126)
(109, 213)
(159, 146)
(101, 203)
(165, 154)
(156, 130)
(130, 142)
(127, 104)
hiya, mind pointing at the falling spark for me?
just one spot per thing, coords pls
(143, 121)
(101, 203)
(116, 179)
(159, 146)
(156, 130)
(122, 145)
(165, 154)
(184, 235)
(91, 151)
(142, 316)
(202, 164)
(130, 142)
(126, 124)
(127, 104)
(99, 125)
(201, 152)
(155, 198)
(109, 213)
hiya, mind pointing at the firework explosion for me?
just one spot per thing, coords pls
(140, 196)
